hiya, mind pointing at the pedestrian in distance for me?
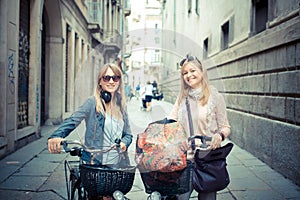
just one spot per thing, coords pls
(143, 98)
(155, 89)
(148, 95)
(208, 110)
(137, 91)
(128, 92)
(105, 117)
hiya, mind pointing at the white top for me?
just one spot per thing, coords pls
(112, 130)
(148, 89)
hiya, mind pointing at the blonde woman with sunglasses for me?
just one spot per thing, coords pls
(105, 117)
(208, 110)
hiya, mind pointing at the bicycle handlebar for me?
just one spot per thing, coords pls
(202, 138)
(75, 151)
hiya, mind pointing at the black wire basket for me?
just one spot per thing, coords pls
(168, 183)
(104, 181)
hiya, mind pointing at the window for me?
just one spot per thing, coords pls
(205, 48)
(95, 11)
(189, 6)
(82, 51)
(156, 56)
(196, 7)
(157, 40)
(23, 64)
(68, 32)
(225, 35)
(259, 16)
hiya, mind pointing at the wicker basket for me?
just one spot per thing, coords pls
(103, 181)
(168, 183)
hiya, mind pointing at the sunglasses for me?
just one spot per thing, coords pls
(114, 78)
(188, 59)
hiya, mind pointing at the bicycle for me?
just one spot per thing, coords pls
(88, 180)
(167, 185)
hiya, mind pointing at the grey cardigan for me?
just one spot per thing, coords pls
(94, 124)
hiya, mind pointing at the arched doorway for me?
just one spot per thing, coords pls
(52, 63)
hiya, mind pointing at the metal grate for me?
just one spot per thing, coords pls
(23, 73)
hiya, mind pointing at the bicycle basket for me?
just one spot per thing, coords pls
(103, 181)
(168, 183)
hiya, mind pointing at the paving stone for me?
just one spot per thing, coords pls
(257, 195)
(239, 171)
(37, 167)
(56, 182)
(30, 183)
(248, 183)
(50, 195)
(15, 195)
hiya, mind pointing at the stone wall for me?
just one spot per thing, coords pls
(261, 84)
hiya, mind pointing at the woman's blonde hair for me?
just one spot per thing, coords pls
(184, 90)
(119, 97)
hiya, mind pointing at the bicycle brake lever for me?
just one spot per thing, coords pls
(75, 151)
(203, 141)
(65, 146)
(118, 141)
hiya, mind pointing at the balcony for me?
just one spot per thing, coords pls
(112, 41)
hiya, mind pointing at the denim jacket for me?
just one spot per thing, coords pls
(94, 125)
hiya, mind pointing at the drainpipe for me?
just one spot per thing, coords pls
(121, 34)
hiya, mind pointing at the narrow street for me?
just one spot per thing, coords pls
(33, 173)
(53, 50)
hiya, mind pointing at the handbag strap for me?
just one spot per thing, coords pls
(191, 126)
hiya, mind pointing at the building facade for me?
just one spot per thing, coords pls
(144, 42)
(252, 52)
(51, 52)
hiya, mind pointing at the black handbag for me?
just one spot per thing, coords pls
(210, 168)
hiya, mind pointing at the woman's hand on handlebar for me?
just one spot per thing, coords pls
(54, 145)
(123, 146)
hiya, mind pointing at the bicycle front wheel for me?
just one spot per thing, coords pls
(77, 191)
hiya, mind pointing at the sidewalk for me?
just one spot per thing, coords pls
(33, 173)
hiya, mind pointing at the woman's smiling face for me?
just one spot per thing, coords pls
(111, 85)
(192, 75)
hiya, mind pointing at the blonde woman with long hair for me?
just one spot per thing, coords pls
(105, 117)
(208, 110)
